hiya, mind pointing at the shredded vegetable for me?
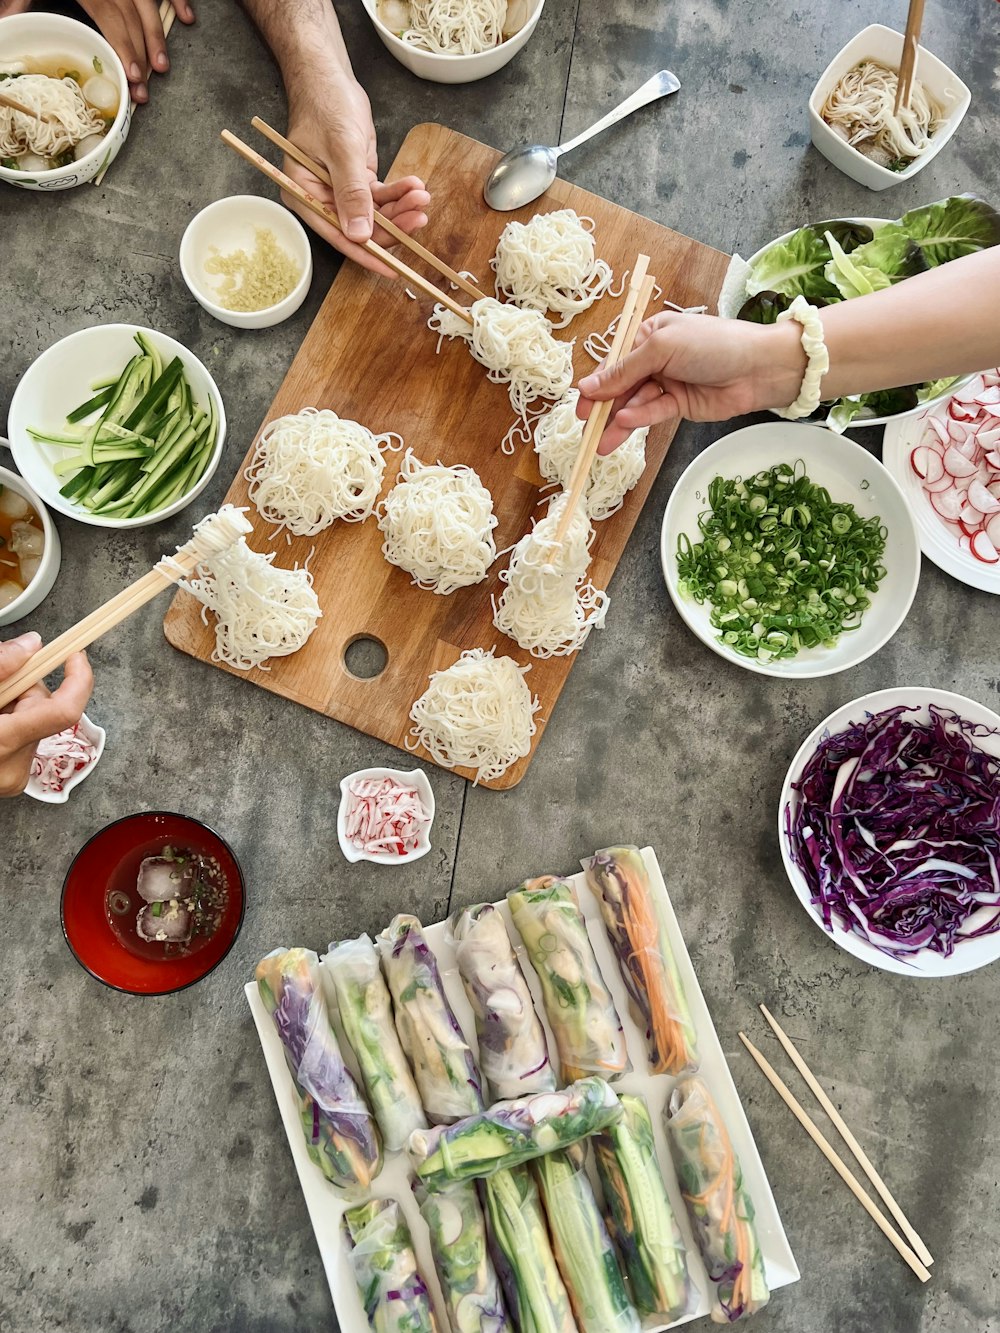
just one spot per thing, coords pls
(783, 565)
(60, 757)
(383, 815)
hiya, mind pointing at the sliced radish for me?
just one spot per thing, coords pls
(992, 529)
(956, 463)
(988, 439)
(969, 392)
(935, 466)
(959, 411)
(918, 461)
(988, 397)
(970, 516)
(938, 429)
(993, 457)
(948, 504)
(943, 483)
(970, 529)
(958, 431)
(994, 488)
(965, 545)
(984, 501)
(983, 549)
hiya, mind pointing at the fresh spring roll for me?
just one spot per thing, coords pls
(640, 1217)
(618, 880)
(510, 1133)
(582, 1246)
(462, 1258)
(442, 1061)
(351, 969)
(380, 1252)
(340, 1132)
(580, 1009)
(720, 1209)
(513, 1054)
(527, 1266)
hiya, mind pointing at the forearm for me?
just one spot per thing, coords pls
(301, 34)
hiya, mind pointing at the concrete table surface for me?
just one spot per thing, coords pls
(145, 1181)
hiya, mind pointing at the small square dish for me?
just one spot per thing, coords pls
(877, 42)
(417, 781)
(56, 790)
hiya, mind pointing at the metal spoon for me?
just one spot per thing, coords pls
(527, 172)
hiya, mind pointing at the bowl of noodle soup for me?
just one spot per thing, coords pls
(54, 64)
(454, 41)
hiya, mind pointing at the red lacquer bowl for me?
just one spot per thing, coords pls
(108, 865)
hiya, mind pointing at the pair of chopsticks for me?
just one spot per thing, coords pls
(15, 105)
(908, 64)
(919, 1256)
(640, 293)
(167, 16)
(329, 215)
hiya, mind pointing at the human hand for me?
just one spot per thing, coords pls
(695, 366)
(134, 29)
(330, 119)
(37, 713)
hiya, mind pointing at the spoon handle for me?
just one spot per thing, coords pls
(658, 86)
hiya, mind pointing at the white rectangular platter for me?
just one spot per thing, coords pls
(326, 1204)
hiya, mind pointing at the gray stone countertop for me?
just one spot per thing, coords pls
(145, 1181)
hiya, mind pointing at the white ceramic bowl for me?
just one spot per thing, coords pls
(96, 736)
(228, 225)
(61, 378)
(44, 36)
(41, 585)
(440, 68)
(849, 473)
(883, 44)
(417, 779)
(969, 954)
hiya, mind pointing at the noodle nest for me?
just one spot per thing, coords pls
(549, 263)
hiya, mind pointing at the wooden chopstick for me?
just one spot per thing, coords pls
(638, 297)
(387, 224)
(911, 47)
(15, 105)
(908, 1231)
(167, 16)
(329, 215)
(846, 1175)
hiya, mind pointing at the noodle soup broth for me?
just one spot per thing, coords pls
(84, 118)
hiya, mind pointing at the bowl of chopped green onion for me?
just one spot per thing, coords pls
(790, 551)
(117, 426)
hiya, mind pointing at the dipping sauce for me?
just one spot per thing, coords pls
(166, 902)
(22, 542)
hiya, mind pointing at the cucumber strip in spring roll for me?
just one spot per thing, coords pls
(580, 1009)
(462, 1258)
(640, 1217)
(510, 1133)
(721, 1210)
(443, 1064)
(513, 1054)
(340, 1132)
(618, 880)
(352, 971)
(528, 1269)
(583, 1247)
(380, 1252)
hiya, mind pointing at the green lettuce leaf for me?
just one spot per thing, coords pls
(953, 227)
(793, 267)
(850, 276)
(893, 252)
(848, 234)
(843, 412)
(764, 308)
(928, 391)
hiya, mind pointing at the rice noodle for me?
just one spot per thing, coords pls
(548, 263)
(456, 27)
(313, 467)
(438, 525)
(72, 117)
(558, 436)
(479, 713)
(860, 109)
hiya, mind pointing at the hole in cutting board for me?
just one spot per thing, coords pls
(366, 657)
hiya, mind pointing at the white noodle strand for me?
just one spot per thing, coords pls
(860, 108)
(73, 119)
(548, 263)
(456, 27)
(558, 436)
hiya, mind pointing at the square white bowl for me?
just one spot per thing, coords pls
(885, 45)
(417, 779)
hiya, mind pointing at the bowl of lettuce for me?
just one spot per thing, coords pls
(836, 260)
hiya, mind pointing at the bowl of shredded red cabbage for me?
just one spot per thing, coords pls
(889, 824)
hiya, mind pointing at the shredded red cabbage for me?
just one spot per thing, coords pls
(897, 831)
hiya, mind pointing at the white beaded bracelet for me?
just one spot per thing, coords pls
(818, 358)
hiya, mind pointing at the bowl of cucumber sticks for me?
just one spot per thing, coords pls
(117, 426)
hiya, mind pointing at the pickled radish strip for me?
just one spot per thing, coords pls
(383, 815)
(58, 758)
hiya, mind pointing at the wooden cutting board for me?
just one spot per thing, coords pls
(370, 356)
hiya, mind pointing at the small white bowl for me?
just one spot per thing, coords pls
(61, 378)
(849, 473)
(883, 44)
(437, 67)
(96, 736)
(52, 36)
(969, 954)
(417, 779)
(228, 225)
(41, 585)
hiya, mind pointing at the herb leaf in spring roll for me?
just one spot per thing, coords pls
(640, 1216)
(442, 1061)
(618, 880)
(510, 1133)
(461, 1255)
(339, 1130)
(580, 1009)
(380, 1252)
(513, 1054)
(535, 1291)
(718, 1204)
(352, 970)
(583, 1247)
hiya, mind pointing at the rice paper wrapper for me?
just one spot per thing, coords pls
(457, 1227)
(535, 1290)
(380, 1252)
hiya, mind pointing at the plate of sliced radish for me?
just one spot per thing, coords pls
(948, 465)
